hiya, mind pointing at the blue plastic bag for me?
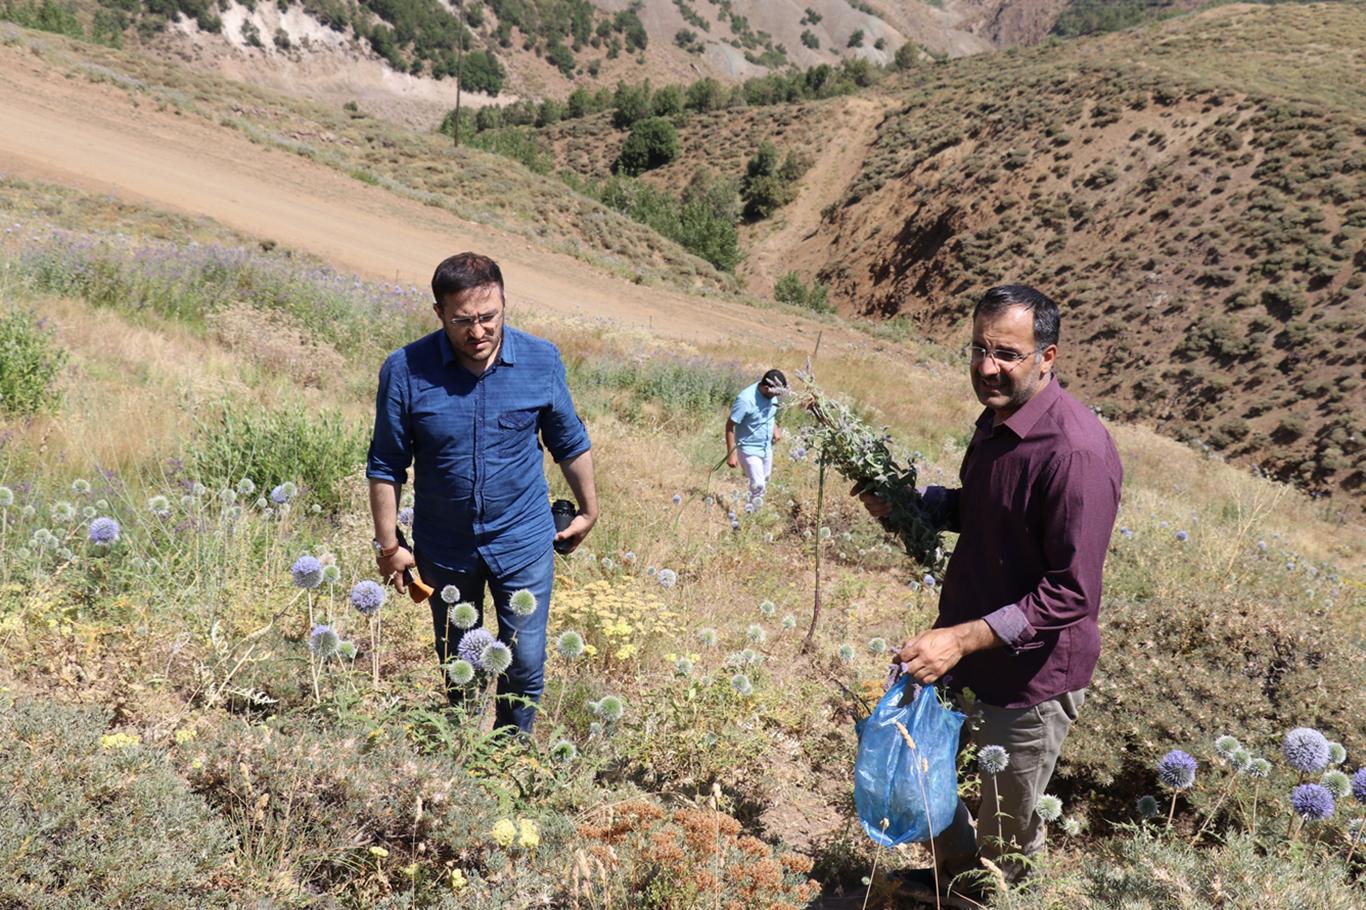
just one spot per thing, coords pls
(912, 785)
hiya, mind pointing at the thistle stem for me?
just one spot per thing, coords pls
(1172, 811)
(1215, 811)
(809, 643)
(1356, 842)
(1255, 788)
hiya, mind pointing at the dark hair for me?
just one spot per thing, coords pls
(1047, 318)
(464, 272)
(774, 379)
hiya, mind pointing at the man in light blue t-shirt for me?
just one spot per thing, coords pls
(752, 428)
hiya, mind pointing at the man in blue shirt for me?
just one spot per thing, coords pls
(752, 428)
(464, 406)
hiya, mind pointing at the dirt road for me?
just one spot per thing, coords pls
(91, 136)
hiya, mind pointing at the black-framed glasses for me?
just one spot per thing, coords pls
(486, 320)
(1004, 359)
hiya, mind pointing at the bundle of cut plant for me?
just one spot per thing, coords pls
(865, 456)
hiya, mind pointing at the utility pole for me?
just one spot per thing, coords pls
(459, 64)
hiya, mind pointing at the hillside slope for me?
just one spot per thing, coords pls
(1192, 192)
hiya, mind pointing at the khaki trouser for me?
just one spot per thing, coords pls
(1033, 737)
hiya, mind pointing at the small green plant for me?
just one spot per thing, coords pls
(790, 289)
(30, 363)
(653, 143)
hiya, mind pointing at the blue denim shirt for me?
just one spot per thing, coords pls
(479, 488)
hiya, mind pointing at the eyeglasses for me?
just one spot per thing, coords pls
(487, 320)
(1004, 359)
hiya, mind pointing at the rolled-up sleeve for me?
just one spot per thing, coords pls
(391, 446)
(1080, 499)
(562, 430)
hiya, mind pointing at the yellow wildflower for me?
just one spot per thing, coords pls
(184, 735)
(458, 880)
(529, 834)
(119, 740)
(379, 852)
(504, 832)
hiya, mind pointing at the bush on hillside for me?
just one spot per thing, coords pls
(791, 290)
(318, 450)
(768, 185)
(653, 143)
(30, 363)
(95, 819)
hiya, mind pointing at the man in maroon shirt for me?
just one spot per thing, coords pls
(1019, 603)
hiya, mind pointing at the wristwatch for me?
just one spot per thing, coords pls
(383, 552)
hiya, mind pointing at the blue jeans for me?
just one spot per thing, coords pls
(525, 635)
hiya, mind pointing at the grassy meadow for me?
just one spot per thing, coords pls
(171, 739)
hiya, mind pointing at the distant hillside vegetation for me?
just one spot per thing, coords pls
(1195, 194)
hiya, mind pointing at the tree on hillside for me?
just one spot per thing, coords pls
(768, 185)
(653, 143)
(630, 103)
(706, 95)
(907, 56)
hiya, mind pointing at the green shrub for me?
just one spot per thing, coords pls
(29, 365)
(521, 144)
(790, 289)
(684, 386)
(768, 185)
(92, 823)
(317, 450)
(653, 143)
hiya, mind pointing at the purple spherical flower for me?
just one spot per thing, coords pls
(307, 571)
(1183, 536)
(1176, 770)
(1359, 784)
(324, 641)
(472, 646)
(104, 531)
(405, 517)
(283, 493)
(1306, 750)
(1312, 802)
(367, 596)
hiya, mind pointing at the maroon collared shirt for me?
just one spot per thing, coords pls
(1035, 512)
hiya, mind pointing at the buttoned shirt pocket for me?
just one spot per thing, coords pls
(515, 430)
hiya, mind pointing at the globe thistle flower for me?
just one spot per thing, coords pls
(405, 517)
(611, 708)
(1071, 826)
(367, 596)
(245, 487)
(1240, 759)
(1337, 783)
(348, 650)
(187, 502)
(570, 645)
(1337, 753)
(64, 554)
(993, 759)
(464, 616)
(1359, 785)
(798, 454)
(1049, 807)
(1182, 536)
(472, 646)
(789, 622)
(707, 637)
(683, 666)
(1258, 767)
(735, 660)
(323, 641)
(877, 645)
(522, 603)
(279, 495)
(1147, 806)
(331, 575)
(1225, 746)
(262, 505)
(609, 564)
(227, 495)
(80, 487)
(1306, 750)
(1312, 802)
(104, 531)
(735, 524)
(450, 594)
(307, 572)
(751, 658)
(27, 512)
(495, 658)
(678, 498)
(741, 684)
(159, 506)
(628, 557)
(563, 752)
(767, 607)
(6, 497)
(1176, 770)
(929, 582)
(749, 508)
(846, 653)
(460, 672)
(824, 534)
(651, 571)
(667, 578)
(89, 512)
(756, 634)
(63, 512)
(1126, 533)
